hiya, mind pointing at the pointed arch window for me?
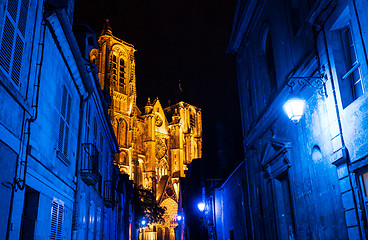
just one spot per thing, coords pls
(114, 67)
(121, 132)
(122, 75)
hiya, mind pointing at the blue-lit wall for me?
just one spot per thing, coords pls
(47, 112)
(305, 180)
(229, 206)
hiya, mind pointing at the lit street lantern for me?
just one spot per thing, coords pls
(201, 206)
(294, 109)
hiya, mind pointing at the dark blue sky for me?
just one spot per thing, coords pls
(180, 40)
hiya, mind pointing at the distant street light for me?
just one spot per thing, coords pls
(178, 218)
(294, 109)
(143, 222)
(201, 206)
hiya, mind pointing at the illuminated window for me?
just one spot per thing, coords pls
(13, 38)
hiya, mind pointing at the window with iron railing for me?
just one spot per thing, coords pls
(89, 164)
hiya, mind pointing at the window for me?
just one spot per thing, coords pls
(13, 39)
(270, 62)
(114, 67)
(295, 14)
(344, 42)
(57, 219)
(192, 119)
(90, 41)
(232, 235)
(122, 73)
(88, 122)
(30, 212)
(64, 124)
(363, 180)
(352, 66)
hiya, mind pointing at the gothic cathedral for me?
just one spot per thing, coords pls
(156, 144)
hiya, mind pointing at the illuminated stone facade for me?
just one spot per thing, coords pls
(156, 144)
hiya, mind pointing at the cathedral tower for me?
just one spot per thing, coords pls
(156, 144)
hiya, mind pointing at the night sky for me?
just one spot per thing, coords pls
(182, 40)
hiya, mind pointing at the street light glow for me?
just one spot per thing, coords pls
(143, 222)
(201, 206)
(178, 217)
(294, 109)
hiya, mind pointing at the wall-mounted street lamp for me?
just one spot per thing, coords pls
(201, 206)
(294, 109)
(178, 218)
(295, 106)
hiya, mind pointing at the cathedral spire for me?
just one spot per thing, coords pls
(107, 28)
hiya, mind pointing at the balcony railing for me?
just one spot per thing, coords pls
(108, 194)
(89, 164)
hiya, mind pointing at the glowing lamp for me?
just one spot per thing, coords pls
(201, 206)
(143, 222)
(294, 109)
(178, 217)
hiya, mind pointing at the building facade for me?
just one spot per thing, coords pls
(156, 144)
(304, 180)
(57, 142)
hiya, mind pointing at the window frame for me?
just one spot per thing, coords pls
(57, 219)
(64, 131)
(336, 25)
(13, 48)
(349, 48)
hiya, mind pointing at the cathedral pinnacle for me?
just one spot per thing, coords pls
(107, 28)
(148, 107)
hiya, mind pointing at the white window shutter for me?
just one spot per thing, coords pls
(57, 219)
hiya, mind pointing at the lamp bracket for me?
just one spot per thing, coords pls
(318, 82)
